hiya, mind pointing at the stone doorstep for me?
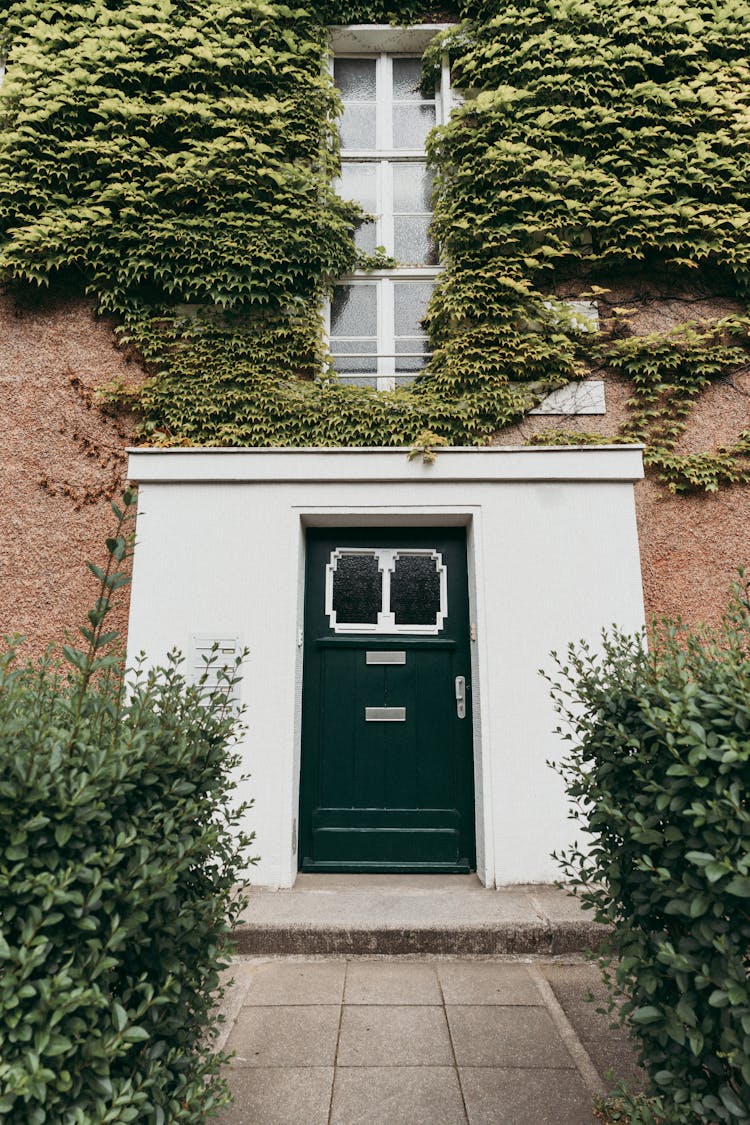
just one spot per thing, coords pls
(370, 915)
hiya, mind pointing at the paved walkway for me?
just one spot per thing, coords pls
(442, 1041)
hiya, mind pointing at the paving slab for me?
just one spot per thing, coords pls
(386, 982)
(355, 915)
(393, 1035)
(293, 982)
(506, 1037)
(279, 1096)
(403, 1095)
(510, 1096)
(285, 1036)
(486, 982)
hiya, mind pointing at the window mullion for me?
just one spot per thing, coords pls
(444, 94)
(387, 233)
(383, 113)
(386, 338)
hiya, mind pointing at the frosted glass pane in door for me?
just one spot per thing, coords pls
(415, 590)
(357, 590)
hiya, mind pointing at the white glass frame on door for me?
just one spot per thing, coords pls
(386, 621)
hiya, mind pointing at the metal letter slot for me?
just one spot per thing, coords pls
(385, 657)
(385, 714)
(461, 697)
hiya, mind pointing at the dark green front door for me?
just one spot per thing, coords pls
(387, 766)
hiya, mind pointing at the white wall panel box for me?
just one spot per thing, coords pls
(552, 557)
(586, 397)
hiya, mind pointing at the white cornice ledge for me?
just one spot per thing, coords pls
(368, 39)
(455, 463)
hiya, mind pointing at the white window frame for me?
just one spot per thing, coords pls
(385, 44)
(386, 622)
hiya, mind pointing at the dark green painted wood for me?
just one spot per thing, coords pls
(393, 797)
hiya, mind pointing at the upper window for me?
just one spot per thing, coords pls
(374, 321)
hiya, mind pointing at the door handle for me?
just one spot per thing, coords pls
(461, 697)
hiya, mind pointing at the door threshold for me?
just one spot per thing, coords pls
(389, 880)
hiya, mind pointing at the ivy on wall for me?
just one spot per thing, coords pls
(176, 158)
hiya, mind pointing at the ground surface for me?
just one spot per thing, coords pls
(396, 1041)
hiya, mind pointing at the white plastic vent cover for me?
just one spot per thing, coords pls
(210, 655)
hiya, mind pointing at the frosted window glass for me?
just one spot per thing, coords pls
(411, 362)
(359, 182)
(355, 79)
(357, 126)
(348, 355)
(411, 124)
(359, 381)
(412, 187)
(415, 590)
(410, 305)
(407, 78)
(354, 311)
(412, 246)
(366, 238)
(357, 589)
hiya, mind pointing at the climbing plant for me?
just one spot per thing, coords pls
(176, 159)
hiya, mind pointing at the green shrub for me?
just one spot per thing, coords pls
(659, 770)
(118, 855)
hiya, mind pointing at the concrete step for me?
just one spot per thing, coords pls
(413, 914)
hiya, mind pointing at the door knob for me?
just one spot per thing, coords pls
(461, 697)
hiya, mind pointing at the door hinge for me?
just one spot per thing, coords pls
(294, 836)
(472, 632)
(300, 638)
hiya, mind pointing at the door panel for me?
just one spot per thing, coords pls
(393, 795)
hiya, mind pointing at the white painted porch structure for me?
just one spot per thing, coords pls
(552, 555)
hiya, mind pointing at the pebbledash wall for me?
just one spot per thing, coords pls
(552, 555)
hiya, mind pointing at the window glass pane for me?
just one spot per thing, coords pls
(407, 77)
(412, 245)
(355, 79)
(357, 126)
(366, 238)
(350, 355)
(415, 590)
(357, 589)
(410, 305)
(411, 124)
(411, 362)
(359, 381)
(359, 182)
(354, 310)
(412, 187)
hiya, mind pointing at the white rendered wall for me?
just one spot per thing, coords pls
(553, 557)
